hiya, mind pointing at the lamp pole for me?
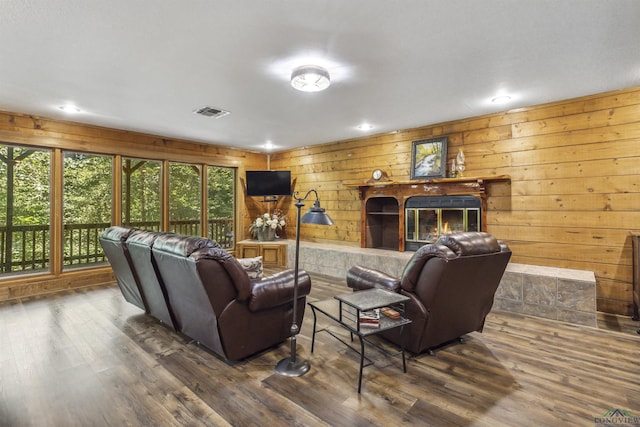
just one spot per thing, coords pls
(292, 366)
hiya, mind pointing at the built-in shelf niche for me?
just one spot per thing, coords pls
(383, 220)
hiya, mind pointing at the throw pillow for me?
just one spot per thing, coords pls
(253, 267)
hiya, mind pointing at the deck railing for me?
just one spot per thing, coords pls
(30, 248)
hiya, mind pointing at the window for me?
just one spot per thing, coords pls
(27, 242)
(184, 199)
(25, 236)
(141, 183)
(87, 207)
(220, 205)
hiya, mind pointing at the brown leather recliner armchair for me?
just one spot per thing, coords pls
(450, 284)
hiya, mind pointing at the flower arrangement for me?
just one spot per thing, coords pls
(266, 221)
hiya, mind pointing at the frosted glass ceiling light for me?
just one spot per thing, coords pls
(69, 108)
(310, 78)
(501, 99)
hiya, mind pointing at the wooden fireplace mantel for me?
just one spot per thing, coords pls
(403, 190)
(431, 187)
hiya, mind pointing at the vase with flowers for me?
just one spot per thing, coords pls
(264, 227)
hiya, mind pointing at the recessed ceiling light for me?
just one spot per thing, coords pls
(268, 145)
(310, 78)
(365, 126)
(68, 108)
(501, 99)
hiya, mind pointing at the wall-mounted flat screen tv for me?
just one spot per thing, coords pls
(268, 183)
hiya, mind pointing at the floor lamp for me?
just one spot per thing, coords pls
(293, 366)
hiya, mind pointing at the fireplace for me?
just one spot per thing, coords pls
(426, 218)
(404, 216)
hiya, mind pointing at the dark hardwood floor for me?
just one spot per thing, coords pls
(88, 358)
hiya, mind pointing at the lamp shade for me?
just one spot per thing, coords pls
(310, 78)
(316, 215)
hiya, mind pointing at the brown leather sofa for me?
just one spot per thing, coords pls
(450, 284)
(197, 287)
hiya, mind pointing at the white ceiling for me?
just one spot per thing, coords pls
(145, 65)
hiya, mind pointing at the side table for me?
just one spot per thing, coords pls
(345, 310)
(274, 253)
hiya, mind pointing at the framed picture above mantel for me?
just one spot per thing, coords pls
(429, 158)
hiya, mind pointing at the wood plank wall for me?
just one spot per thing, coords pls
(40, 132)
(574, 191)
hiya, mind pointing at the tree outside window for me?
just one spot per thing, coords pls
(184, 199)
(25, 236)
(86, 205)
(220, 205)
(141, 202)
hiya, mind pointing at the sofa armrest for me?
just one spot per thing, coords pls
(360, 278)
(277, 290)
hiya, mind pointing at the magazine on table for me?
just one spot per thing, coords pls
(370, 318)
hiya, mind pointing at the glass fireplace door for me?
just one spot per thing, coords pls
(427, 225)
(423, 225)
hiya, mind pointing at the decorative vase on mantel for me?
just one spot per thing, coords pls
(266, 235)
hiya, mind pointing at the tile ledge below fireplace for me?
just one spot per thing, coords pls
(561, 273)
(550, 292)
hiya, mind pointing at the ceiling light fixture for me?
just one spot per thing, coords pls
(502, 99)
(68, 108)
(365, 126)
(310, 78)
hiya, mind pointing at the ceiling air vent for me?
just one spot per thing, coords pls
(211, 112)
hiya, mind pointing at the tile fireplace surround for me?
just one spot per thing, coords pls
(552, 293)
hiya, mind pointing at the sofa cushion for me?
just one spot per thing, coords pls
(112, 240)
(237, 274)
(182, 245)
(253, 267)
(117, 233)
